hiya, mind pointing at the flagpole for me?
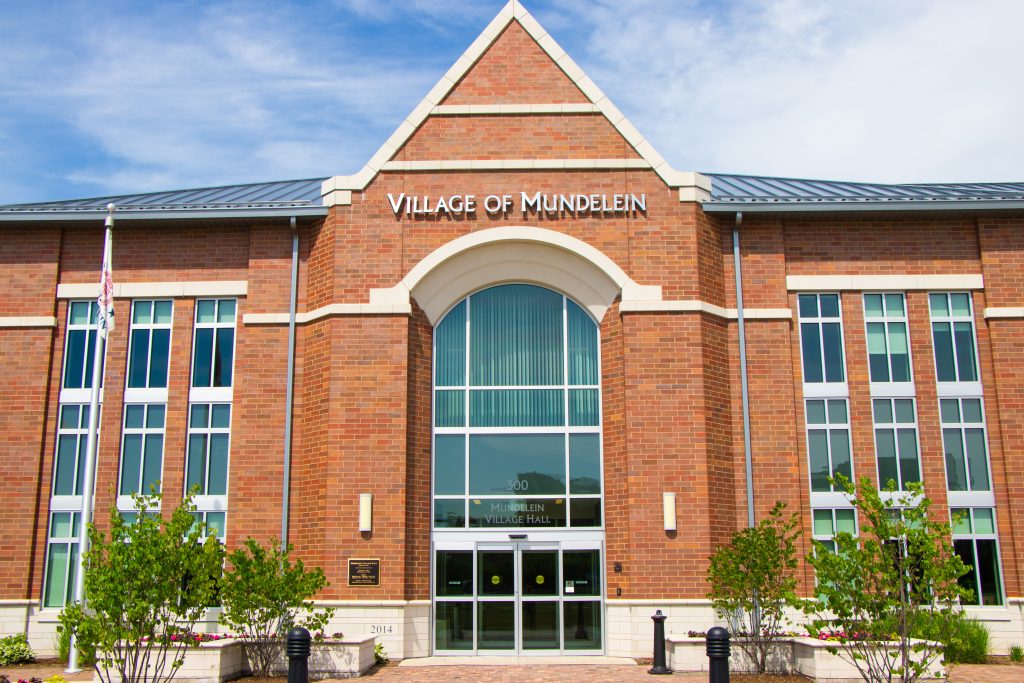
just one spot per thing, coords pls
(104, 322)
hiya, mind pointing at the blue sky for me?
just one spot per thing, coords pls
(105, 97)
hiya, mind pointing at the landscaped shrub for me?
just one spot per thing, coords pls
(15, 650)
(965, 640)
(1016, 653)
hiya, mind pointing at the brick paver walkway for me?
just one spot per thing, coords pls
(986, 673)
(523, 674)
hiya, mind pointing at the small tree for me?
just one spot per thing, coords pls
(753, 581)
(264, 594)
(897, 578)
(146, 585)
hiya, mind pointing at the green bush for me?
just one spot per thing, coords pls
(86, 657)
(15, 650)
(965, 640)
(1016, 653)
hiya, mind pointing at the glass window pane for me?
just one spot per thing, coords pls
(516, 408)
(453, 573)
(584, 463)
(873, 306)
(453, 626)
(450, 348)
(159, 359)
(816, 412)
(67, 466)
(899, 351)
(882, 409)
(450, 408)
(206, 311)
(963, 334)
(57, 570)
(131, 464)
(885, 442)
(74, 361)
(513, 464)
(983, 521)
(904, 410)
(581, 572)
(584, 406)
(808, 305)
(539, 572)
(960, 304)
(894, 304)
(810, 344)
(61, 525)
(950, 410)
(223, 361)
(823, 523)
(515, 336)
(69, 417)
(203, 357)
(962, 521)
(964, 548)
(582, 342)
(817, 447)
(837, 411)
(155, 416)
(496, 572)
(910, 467)
(878, 359)
(585, 512)
(972, 410)
(988, 572)
(143, 312)
(226, 311)
(162, 312)
(200, 415)
(517, 512)
(80, 312)
(942, 338)
(581, 625)
(496, 626)
(218, 482)
(196, 470)
(540, 624)
(829, 305)
(839, 441)
(450, 514)
(134, 416)
(221, 417)
(832, 340)
(215, 524)
(938, 304)
(153, 463)
(977, 462)
(845, 522)
(138, 361)
(956, 473)
(449, 465)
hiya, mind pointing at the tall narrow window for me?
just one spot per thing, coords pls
(214, 347)
(517, 412)
(974, 540)
(885, 317)
(821, 338)
(953, 337)
(206, 466)
(142, 451)
(150, 344)
(965, 444)
(896, 442)
(72, 435)
(80, 344)
(828, 442)
(61, 559)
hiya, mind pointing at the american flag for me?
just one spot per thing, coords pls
(106, 298)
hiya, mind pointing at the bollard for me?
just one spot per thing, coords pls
(717, 643)
(297, 649)
(659, 667)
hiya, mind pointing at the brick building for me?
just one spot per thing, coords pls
(517, 352)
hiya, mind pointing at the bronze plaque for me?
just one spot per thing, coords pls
(363, 572)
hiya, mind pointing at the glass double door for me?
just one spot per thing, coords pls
(517, 597)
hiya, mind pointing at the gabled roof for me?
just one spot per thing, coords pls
(338, 190)
(250, 200)
(760, 193)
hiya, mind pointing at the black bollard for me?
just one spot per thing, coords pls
(297, 649)
(717, 643)
(659, 667)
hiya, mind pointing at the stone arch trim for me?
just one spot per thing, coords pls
(515, 254)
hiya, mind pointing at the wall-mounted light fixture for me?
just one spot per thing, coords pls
(668, 509)
(366, 512)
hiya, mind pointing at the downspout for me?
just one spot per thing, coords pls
(290, 390)
(743, 367)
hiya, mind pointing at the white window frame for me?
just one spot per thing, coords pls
(148, 394)
(969, 498)
(889, 389)
(823, 538)
(895, 427)
(828, 499)
(213, 394)
(209, 503)
(973, 536)
(71, 542)
(955, 388)
(125, 502)
(83, 395)
(822, 389)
